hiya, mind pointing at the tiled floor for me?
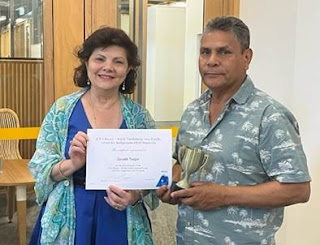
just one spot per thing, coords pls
(163, 221)
(9, 231)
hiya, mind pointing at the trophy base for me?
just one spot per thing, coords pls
(175, 187)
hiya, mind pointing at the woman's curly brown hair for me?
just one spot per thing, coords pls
(103, 38)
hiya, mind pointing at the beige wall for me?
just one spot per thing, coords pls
(285, 64)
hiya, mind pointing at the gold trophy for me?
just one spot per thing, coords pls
(190, 159)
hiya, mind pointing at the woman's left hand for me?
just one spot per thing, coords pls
(119, 198)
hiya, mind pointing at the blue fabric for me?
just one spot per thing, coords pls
(96, 221)
(36, 233)
(79, 122)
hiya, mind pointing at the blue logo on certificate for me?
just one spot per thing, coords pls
(164, 180)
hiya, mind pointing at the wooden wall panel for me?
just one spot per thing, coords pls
(100, 13)
(231, 7)
(87, 18)
(214, 8)
(22, 90)
(104, 13)
(68, 34)
(48, 48)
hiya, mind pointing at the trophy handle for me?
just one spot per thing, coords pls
(181, 152)
(204, 162)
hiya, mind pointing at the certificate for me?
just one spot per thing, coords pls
(128, 158)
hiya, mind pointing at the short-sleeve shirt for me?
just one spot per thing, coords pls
(254, 140)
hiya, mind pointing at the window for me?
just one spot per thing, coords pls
(21, 29)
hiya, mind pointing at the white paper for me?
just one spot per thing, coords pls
(128, 158)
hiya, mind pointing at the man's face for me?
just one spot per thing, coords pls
(222, 63)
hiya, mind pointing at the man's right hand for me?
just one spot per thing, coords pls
(164, 194)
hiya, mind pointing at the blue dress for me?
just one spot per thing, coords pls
(96, 221)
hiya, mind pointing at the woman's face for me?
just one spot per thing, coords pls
(107, 67)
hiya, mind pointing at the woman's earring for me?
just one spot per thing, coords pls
(88, 82)
(123, 86)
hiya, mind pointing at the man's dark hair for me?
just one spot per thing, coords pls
(231, 24)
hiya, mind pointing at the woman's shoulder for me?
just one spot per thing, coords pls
(65, 101)
(73, 96)
(135, 114)
(131, 104)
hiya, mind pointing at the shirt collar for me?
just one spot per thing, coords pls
(239, 97)
(243, 93)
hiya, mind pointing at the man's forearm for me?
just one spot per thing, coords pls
(267, 195)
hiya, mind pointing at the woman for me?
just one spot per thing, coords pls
(70, 214)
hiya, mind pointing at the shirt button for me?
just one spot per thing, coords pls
(66, 183)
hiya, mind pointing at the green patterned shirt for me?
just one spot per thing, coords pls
(254, 140)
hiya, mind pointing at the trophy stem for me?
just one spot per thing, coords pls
(183, 184)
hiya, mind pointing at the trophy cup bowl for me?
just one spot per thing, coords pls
(190, 159)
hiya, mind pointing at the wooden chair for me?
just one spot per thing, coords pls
(9, 149)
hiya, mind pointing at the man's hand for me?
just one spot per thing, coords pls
(201, 196)
(207, 196)
(164, 194)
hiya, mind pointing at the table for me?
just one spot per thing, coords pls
(16, 174)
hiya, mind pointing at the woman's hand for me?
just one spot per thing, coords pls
(77, 152)
(78, 149)
(120, 199)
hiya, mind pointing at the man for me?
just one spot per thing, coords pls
(256, 165)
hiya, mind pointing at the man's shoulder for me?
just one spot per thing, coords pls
(269, 101)
(271, 107)
(250, 96)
